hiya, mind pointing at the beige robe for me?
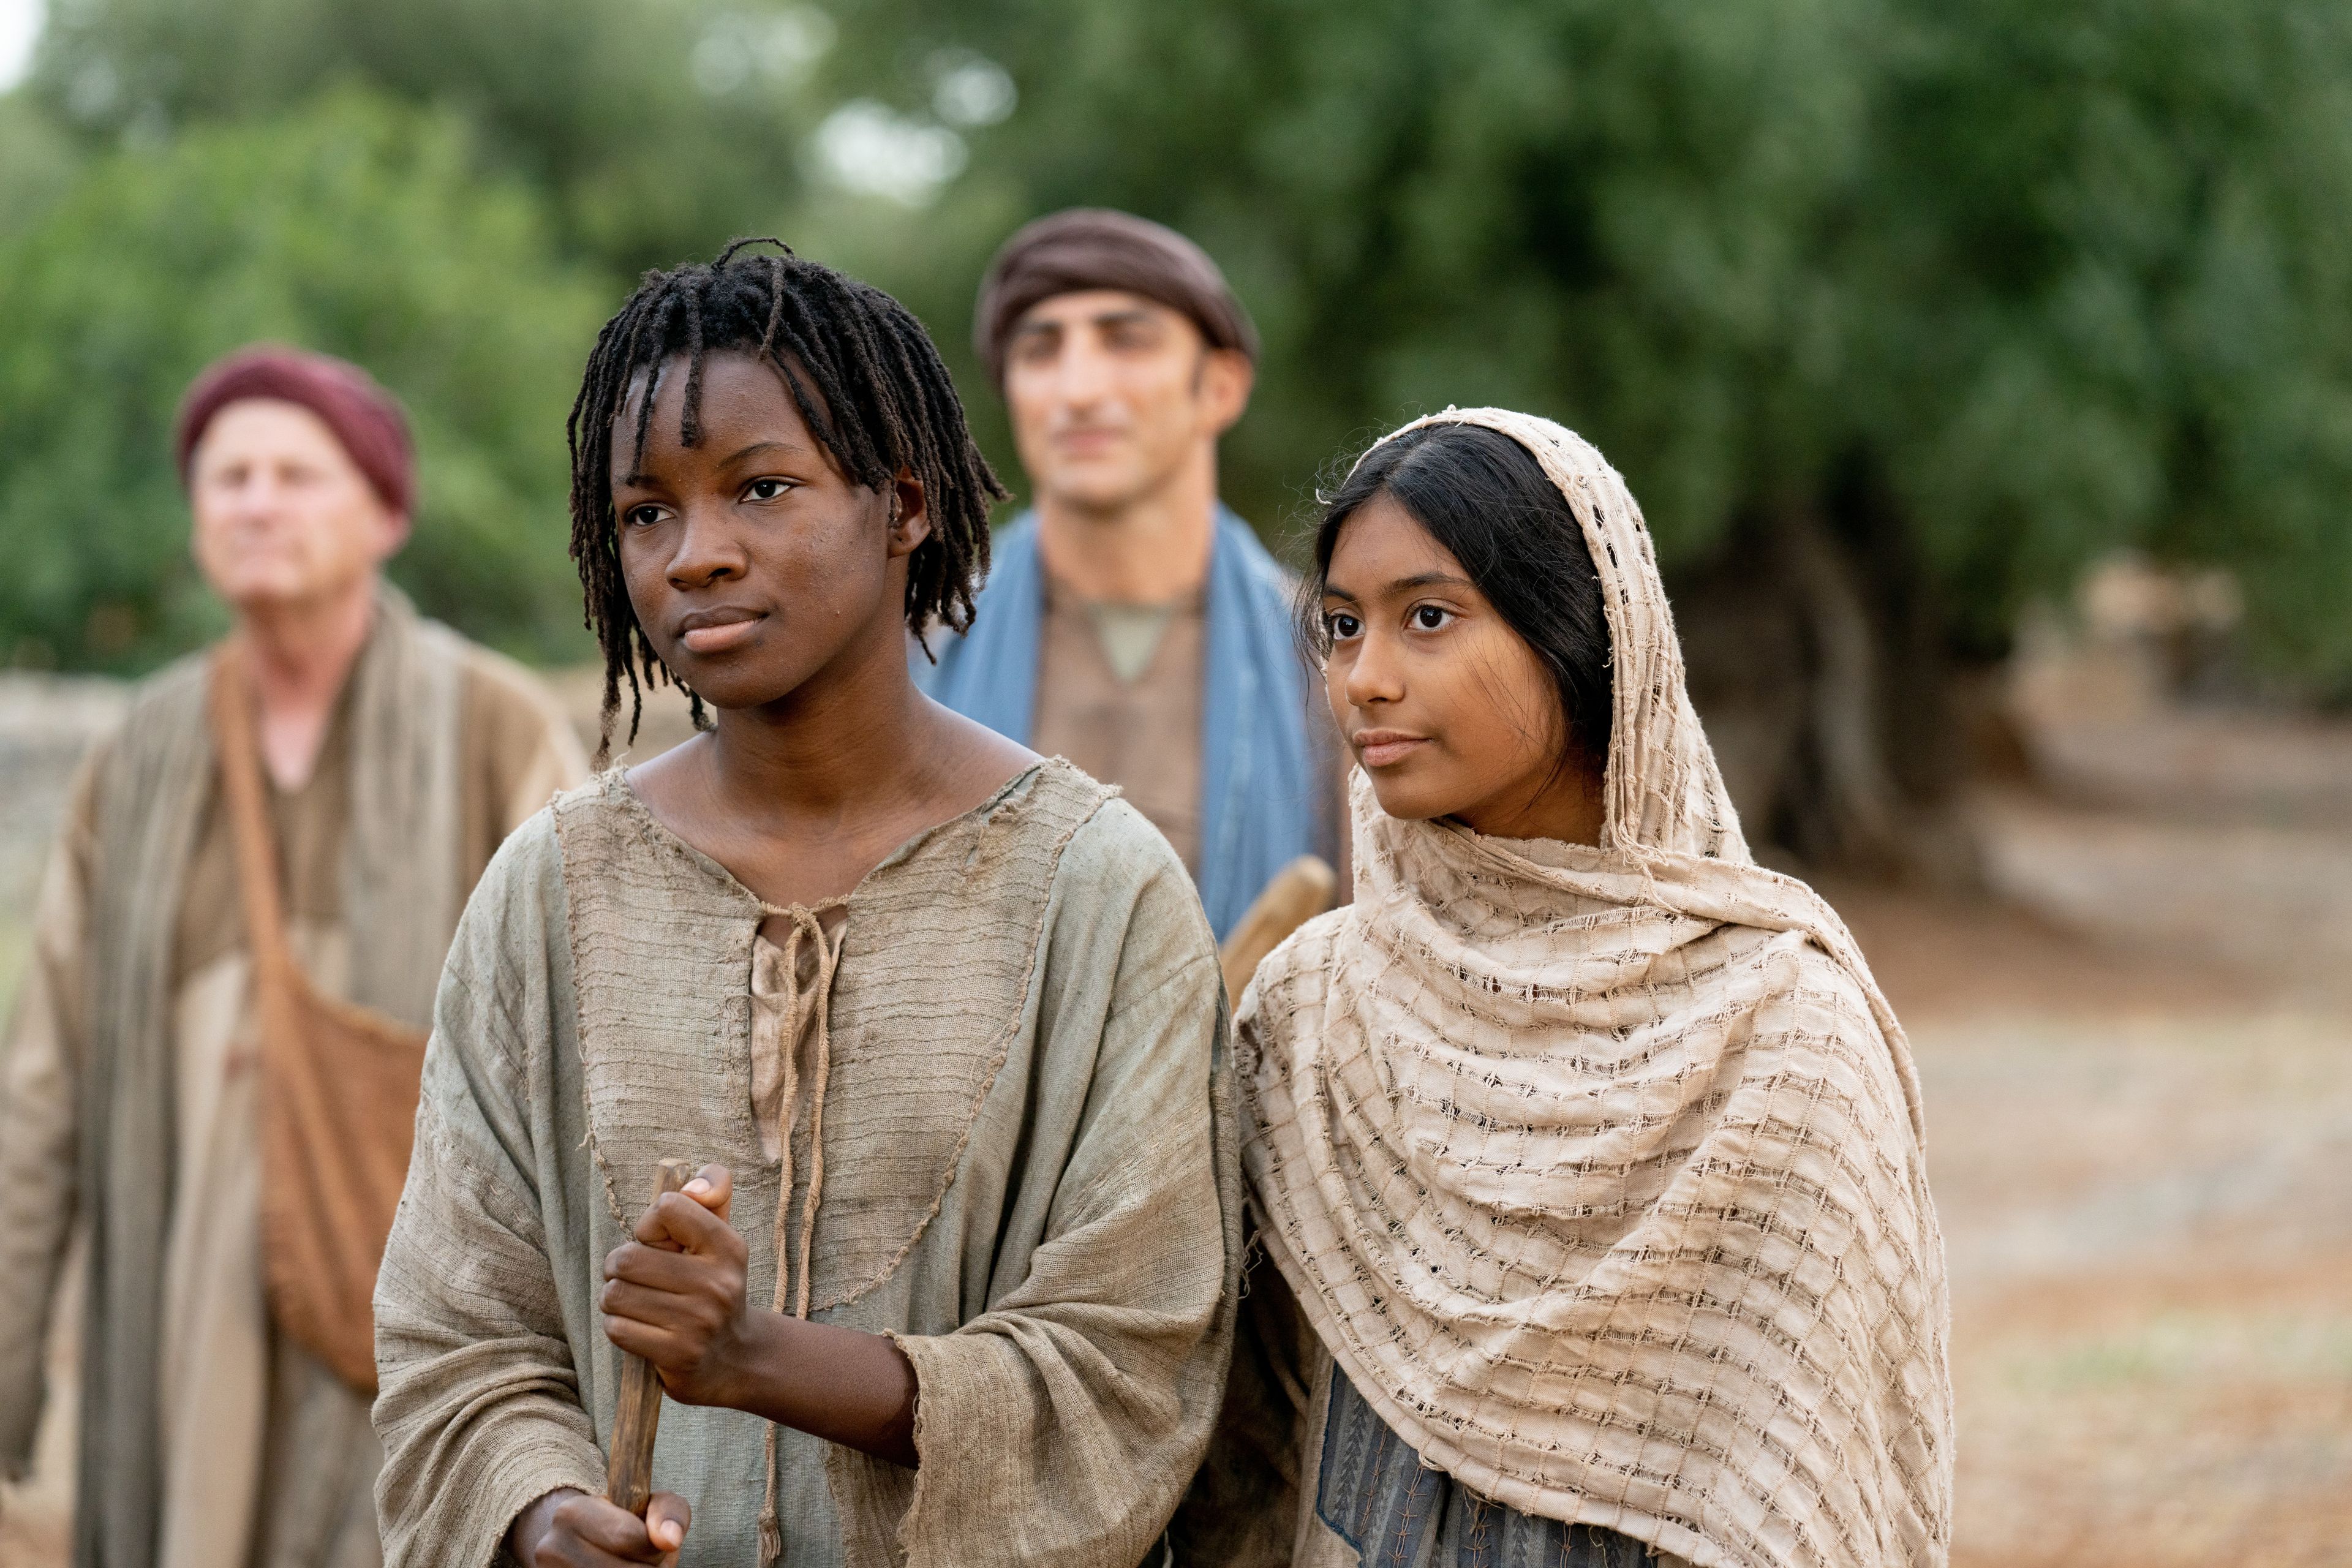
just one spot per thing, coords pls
(1028, 1180)
(1600, 1169)
(268, 1457)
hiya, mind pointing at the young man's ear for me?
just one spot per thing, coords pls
(910, 513)
(1226, 378)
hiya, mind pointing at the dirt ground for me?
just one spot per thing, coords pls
(2137, 1061)
(2137, 1053)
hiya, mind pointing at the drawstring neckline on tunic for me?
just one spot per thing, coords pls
(811, 1009)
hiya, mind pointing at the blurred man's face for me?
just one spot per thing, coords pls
(1112, 395)
(283, 516)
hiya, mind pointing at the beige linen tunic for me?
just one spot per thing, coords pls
(1141, 730)
(268, 1457)
(1028, 1180)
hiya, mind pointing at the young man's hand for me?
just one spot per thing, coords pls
(676, 1296)
(571, 1529)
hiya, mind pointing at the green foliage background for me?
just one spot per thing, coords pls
(353, 225)
(2030, 281)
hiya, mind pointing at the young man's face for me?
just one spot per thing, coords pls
(751, 559)
(1112, 395)
(283, 516)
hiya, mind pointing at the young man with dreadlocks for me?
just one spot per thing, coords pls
(938, 1021)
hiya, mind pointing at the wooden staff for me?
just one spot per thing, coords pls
(1298, 892)
(636, 1417)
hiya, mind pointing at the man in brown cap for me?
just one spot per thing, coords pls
(1131, 622)
(213, 1067)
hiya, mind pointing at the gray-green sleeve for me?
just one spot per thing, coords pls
(39, 1125)
(479, 1404)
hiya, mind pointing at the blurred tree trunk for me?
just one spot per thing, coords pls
(1819, 664)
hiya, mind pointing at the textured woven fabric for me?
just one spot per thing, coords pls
(400, 903)
(1375, 1494)
(1024, 1172)
(263, 1458)
(1600, 1169)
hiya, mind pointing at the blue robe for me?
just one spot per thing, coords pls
(1262, 786)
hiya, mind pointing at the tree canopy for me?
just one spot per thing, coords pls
(2010, 284)
(2049, 279)
(353, 226)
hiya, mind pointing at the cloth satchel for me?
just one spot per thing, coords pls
(338, 1096)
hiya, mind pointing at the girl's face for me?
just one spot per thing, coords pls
(1448, 711)
(752, 562)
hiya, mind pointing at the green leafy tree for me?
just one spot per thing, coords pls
(1893, 313)
(2102, 270)
(356, 226)
(655, 129)
(1625, 216)
(39, 161)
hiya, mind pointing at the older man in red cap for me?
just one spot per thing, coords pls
(1131, 622)
(213, 1068)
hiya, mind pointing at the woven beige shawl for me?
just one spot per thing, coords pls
(1598, 1171)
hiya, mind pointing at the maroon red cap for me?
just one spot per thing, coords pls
(365, 418)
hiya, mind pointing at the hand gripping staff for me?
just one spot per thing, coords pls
(636, 1415)
(1297, 893)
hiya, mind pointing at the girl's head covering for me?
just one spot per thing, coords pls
(1599, 1169)
(365, 418)
(1662, 790)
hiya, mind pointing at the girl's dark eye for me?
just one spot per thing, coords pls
(1431, 617)
(642, 516)
(1341, 626)
(767, 489)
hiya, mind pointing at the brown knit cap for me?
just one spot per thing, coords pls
(1097, 248)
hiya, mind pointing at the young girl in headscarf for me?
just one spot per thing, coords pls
(1586, 1151)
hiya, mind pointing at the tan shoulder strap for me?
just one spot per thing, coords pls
(237, 740)
(338, 1094)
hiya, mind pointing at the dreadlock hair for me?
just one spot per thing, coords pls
(862, 371)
